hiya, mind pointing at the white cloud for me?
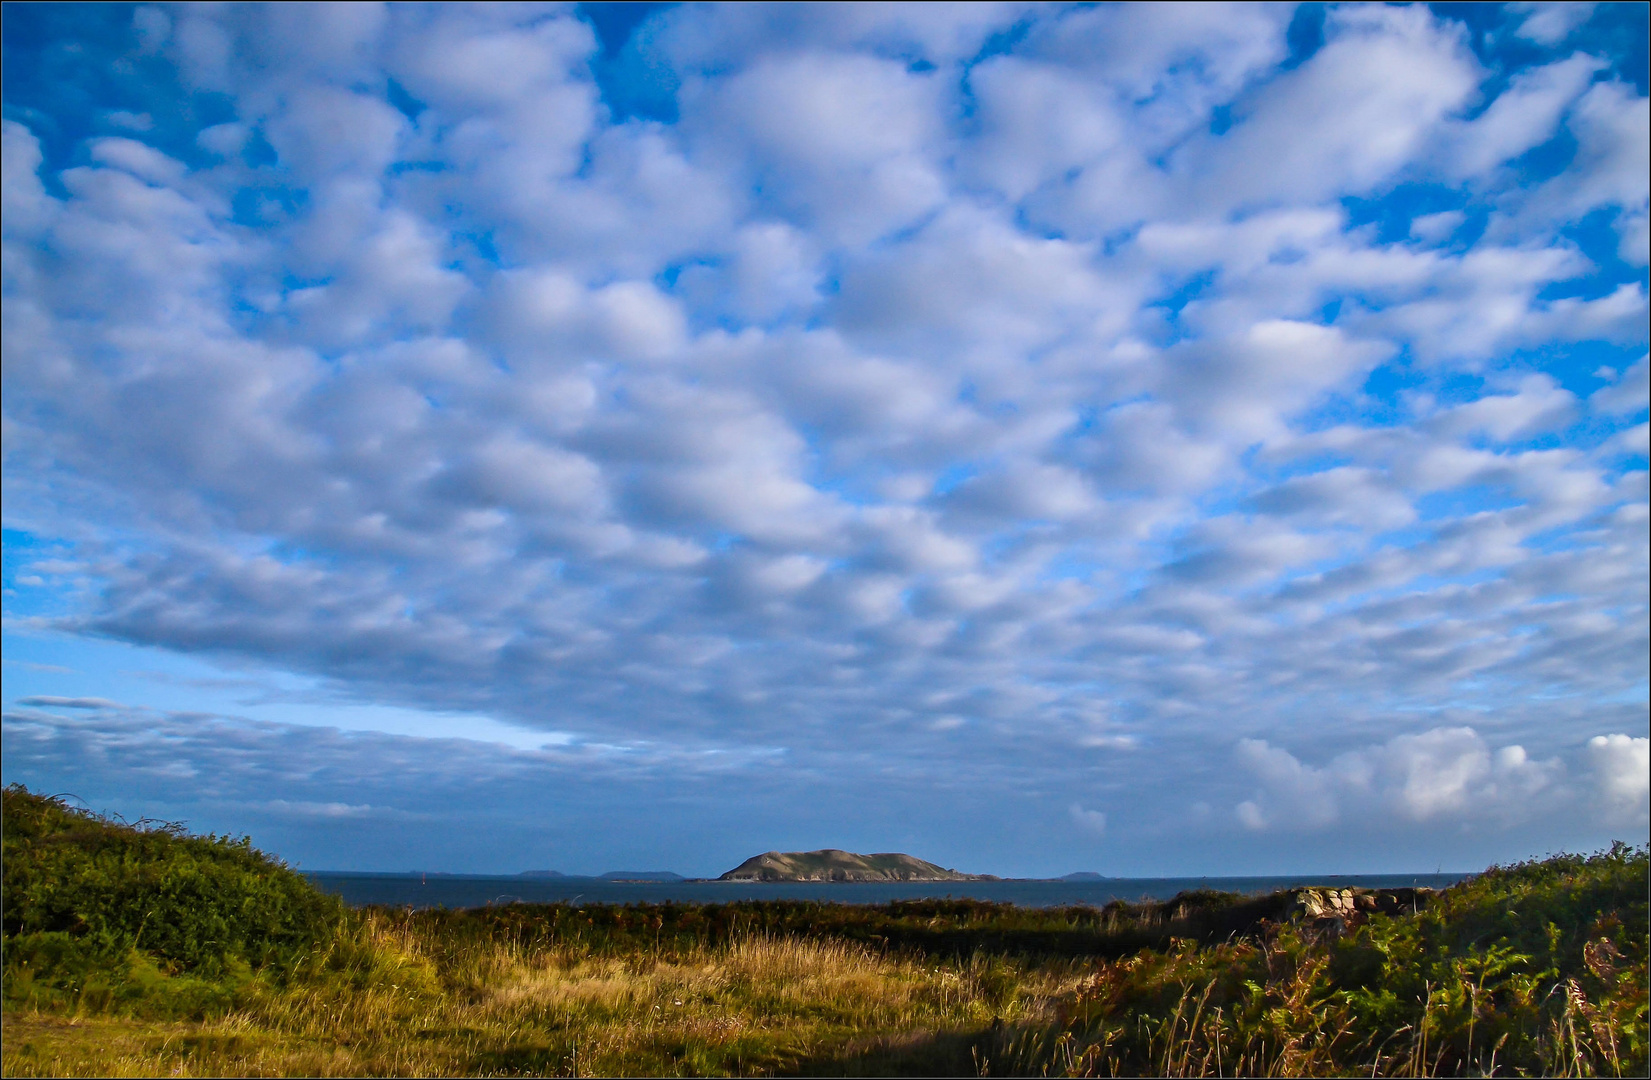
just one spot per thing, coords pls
(1348, 119)
(1629, 394)
(1539, 405)
(723, 38)
(1551, 23)
(1039, 121)
(1128, 368)
(1300, 796)
(1177, 64)
(1613, 161)
(324, 131)
(1448, 775)
(1622, 769)
(843, 142)
(153, 26)
(223, 139)
(1434, 228)
(1091, 821)
(318, 810)
(26, 204)
(1522, 116)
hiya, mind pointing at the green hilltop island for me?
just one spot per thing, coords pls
(834, 865)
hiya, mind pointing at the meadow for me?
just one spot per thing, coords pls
(141, 950)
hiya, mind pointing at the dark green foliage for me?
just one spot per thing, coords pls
(939, 928)
(82, 891)
(1520, 952)
(1533, 969)
(57, 971)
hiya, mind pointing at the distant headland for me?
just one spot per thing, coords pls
(831, 864)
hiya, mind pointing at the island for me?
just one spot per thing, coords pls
(831, 864)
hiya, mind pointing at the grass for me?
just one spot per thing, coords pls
(1532, 969)
(410, 1002)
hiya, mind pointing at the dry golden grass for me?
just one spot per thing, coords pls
(755, 1006)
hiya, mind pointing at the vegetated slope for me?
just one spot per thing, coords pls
(85, 896)
(1534, 969)
(1538, 968)
(830, 864)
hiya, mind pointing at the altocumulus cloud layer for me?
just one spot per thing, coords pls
(1150, 438)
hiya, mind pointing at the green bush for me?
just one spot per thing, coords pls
(86, 894)
(1534, 969)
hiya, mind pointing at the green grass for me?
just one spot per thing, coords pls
(143, 951)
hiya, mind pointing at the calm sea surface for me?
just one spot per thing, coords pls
(403, 890)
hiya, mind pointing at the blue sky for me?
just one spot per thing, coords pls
(1037, 437)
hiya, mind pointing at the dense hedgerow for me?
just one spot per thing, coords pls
(83, 894)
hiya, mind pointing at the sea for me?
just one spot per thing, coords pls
(468, 891)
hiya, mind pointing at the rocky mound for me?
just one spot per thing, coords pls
(834, 865)
(1350, 906)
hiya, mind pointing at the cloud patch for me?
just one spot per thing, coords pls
(1448, 776)
(1021, 364)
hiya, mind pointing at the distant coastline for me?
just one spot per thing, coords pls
(1084, 877)
(883, 876)
(454, 891)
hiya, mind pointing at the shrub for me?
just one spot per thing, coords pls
(82, 891)
(1538, 968)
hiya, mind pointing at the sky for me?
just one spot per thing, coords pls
(1150, 440)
